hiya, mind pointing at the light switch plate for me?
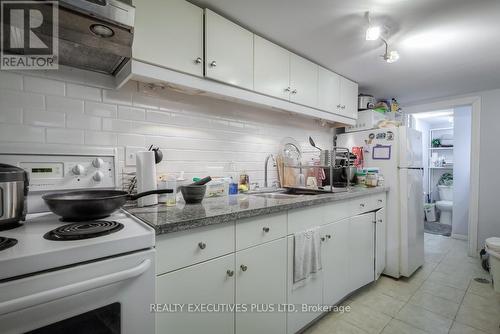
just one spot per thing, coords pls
(130, 152)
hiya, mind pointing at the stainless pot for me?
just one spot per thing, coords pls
(13, 193)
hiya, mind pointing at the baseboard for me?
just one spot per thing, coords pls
(459, 236)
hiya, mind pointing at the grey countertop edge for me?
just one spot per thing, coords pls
(188, 224)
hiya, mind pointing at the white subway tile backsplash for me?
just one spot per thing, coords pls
(18, 99)
(64, 104)
(81, 121)
(100, 138)
(130, 113)
(11, 115)
(64, 136)
(44, 86)
(9, 80)
(83, 92)
(44, 118)
(21, 133)
(101, 109)
(197, 134)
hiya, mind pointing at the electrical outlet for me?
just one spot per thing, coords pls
(130, 152)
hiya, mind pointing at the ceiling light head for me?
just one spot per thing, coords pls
(391, 57)
(373, 33)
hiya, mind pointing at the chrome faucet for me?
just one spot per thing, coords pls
(265, 168)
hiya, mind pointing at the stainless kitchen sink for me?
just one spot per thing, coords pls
(276, 195)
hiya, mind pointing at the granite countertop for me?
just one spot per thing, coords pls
(218, 210)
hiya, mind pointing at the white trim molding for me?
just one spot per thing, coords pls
(475, 103)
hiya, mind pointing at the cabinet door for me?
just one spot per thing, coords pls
(361, 250)
(335, 261)
(228, 51)
(169, 33)
(348, 98)
(204, 283)
(271, 69)
(328, 90)
(261, 280)
(309, 292)
(303, 81)
(380, 242)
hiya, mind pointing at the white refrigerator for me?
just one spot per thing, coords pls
(397, 152)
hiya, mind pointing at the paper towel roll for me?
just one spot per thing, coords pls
(146, 177)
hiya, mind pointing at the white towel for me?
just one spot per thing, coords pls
(307, 254)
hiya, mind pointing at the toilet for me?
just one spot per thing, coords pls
(445, 204)
(493, 249)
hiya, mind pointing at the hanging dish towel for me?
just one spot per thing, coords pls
(307, 254)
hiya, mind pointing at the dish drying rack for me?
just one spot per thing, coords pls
(290, 177)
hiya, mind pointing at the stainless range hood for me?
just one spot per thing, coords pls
(95, 35)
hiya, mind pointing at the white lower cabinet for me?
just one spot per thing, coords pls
(261, 281)
(380, 242)
(204, 283)
(361, 250)
(309, 292)
(335, 261)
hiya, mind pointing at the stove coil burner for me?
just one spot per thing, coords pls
(7, 243)
(85, 230)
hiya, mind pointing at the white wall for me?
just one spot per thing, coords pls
(489, 184)
(195, 133)
(461, 169)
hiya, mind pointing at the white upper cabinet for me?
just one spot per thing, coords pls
(228, 51)
(348, 98)
(271, 69)
(303, 81)
(169, 33)
(328, 90)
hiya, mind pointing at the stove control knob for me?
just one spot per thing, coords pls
(98, 176)
(98, 162)
(78, 169)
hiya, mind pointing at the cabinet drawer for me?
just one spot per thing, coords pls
(181, 249)
(305, 218)
(337, 211)
(378, 201)
(257, 230)
(361, 205)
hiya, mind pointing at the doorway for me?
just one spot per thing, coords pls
(446, 147)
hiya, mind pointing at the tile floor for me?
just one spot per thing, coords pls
(441, 297)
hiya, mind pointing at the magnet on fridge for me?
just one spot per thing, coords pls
(381, 152)
(389, 135)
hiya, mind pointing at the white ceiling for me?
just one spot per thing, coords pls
(447, 47)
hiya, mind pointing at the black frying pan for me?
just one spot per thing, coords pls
(91, 204)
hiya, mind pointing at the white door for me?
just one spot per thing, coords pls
(261, 280)
(361, 250)
(205, 283)
(169, 33)
(309, 292)
(303, 81)
(328, 90)
(271, 69)
(380, 242)
(410, 147)
(348, 98)
(228, 51)
(411, 220)
(335, 261)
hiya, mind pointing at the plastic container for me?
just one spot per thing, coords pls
(430, 212)
(216, 188)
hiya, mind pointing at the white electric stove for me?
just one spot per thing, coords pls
(58, 277)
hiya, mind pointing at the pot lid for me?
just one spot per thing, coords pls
(9, 173)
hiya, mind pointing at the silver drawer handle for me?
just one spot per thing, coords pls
(213, 63)
(287, 89)
(343, 107)
(265, 229)
(198, 60)
(380, 220)
(243, 267)
(294, 91)
(362, 205)
(230, 273)
(202, 245)
(380, 201)
(328, 236)
(338, 106)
